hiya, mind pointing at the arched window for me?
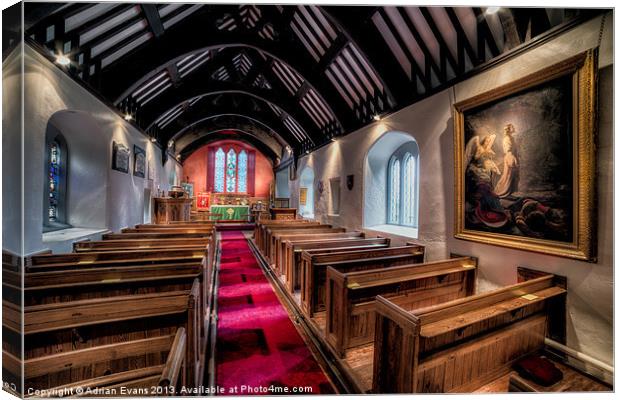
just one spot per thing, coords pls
(403, 187)
(220, 161)
(230, 171)
(55, 210)
(242, 174)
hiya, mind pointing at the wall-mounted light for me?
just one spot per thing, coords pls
(153, 139)
(307, 151)
(128, 117)
(376, 117)
(492, 10)
(333, 139)
(170, 143)
(178, 156)
(62, 59)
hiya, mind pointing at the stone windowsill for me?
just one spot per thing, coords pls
(70, 234)
(405, 231)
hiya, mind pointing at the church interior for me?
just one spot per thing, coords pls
(239, 199)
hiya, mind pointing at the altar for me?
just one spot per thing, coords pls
(230, 212)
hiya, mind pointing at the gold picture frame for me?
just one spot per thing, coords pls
(476, 215)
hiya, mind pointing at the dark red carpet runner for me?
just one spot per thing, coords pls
(258, 349)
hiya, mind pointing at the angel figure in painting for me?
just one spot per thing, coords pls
(479, 158)
(509, 181)
(483, 205)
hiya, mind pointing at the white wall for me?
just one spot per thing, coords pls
(590, 286)
(11, 153)
(98, 197)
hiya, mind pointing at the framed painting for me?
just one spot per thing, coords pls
(303, 196)
(525, 162)
(120, 157)
(139, 161)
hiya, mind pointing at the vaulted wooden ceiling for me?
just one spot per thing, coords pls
(302, 75)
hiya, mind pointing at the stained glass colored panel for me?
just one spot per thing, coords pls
(220, 161)
(53, 181)
(242, 174)
(394, 194)
(231, 171)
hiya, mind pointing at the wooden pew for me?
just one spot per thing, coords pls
(261, 229)
(314, 268)
(282, 238)
(350, 317)
(65, 337)
(271, 231)
(179, 225)
(133, 244)
(156, 380)
(106, 258)
(292, 264)
(264, 221)
(276, 235)
(182, 230)
(162, 234)
(465, 343)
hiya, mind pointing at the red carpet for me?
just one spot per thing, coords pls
(257, 345)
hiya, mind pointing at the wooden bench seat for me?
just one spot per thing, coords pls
(276, 236)
(292, 254)
(135, 257)
(145, 379)
(290, 228)
(463, 344)
(148, 229)
(314, 268)
(162, 234)
(283, 238)
(179, 225)
(261, 229)
(350, 318)
(62, 335)
(134, 244)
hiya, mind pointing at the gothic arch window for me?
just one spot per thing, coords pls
(55, 200)
(403, 186)
(230, 171)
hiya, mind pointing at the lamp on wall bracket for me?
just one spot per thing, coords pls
(62, 59)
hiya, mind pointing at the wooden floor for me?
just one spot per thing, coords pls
(573, 381)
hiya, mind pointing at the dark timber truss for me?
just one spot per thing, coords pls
(301, 75)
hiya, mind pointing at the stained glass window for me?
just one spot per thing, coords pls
(54, 181)
(242, 174)
(219, 170)
(231, 171)
(394, 194)
(408, 190)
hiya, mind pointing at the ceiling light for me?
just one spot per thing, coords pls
(128, 117)
(62, 59)
(333, 139)
(377, 117)
(153, 139)
(171, 143)
(178, 156)
(307, 151)
(492, 10)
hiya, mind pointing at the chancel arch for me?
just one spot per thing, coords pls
(391, 184)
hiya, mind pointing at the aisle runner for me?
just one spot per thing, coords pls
(258, 347)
